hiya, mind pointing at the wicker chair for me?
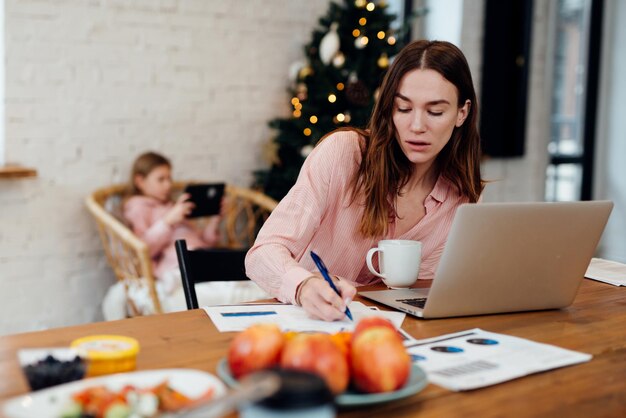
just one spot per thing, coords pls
(128, 256)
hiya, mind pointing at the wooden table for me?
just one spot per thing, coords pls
(595, 324)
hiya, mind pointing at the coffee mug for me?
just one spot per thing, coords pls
(399, 261)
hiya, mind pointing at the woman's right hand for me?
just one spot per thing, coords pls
(182, 207)
(320, 301)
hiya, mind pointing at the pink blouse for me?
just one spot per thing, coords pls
(145, 215)
(317, 215)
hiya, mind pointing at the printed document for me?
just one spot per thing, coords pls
(475, 358)
(290, 318)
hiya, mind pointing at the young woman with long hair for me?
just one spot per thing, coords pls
(401, 178)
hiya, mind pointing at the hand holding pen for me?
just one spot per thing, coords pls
(323, 301)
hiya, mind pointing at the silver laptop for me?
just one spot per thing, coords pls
(508, 257)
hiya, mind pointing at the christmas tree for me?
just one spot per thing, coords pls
(336, 85)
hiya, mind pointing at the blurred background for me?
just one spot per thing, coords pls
(90, 84)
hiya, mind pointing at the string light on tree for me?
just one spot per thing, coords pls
(313, 119)
(391, 40)
(361, 42)
(332, 98)
(360, 3)
(370, 7)
(362, 21)
(380, 35)
(339, 60)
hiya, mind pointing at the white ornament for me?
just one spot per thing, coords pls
(329, 44)
(306, 150)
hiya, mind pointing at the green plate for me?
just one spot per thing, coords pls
(417, 381)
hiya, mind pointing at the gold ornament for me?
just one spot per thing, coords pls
(383, 61)
(270, 153)
(305, 72)
(302, 91)
(376, 94)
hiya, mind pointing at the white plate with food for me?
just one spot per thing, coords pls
(182, 386)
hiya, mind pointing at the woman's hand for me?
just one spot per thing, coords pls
(320, 301)
(182, 207)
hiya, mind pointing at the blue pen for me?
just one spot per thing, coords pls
(322, 268)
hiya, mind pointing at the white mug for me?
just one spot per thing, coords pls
(399, 261)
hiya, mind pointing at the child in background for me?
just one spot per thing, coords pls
(159, 221)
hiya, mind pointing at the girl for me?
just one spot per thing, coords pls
(159, 221)
(402, 178)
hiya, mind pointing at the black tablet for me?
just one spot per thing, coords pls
(206, 197)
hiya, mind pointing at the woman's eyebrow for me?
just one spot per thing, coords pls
(431, 103)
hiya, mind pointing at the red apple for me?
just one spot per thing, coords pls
(256, 348)
(374, 321)
(317, 353)
(380, 362)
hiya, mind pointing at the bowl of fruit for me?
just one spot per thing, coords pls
(369, 365)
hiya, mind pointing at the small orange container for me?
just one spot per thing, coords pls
(107, 354)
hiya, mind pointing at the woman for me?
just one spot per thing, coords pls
(402, 178)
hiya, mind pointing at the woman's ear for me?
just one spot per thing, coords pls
(462, 113)
(139, 181)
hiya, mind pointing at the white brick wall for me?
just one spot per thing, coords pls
(89, 85)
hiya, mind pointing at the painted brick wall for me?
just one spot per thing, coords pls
(92, 83)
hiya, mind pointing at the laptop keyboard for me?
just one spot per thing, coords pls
(417, 302)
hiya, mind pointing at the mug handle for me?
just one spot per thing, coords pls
(368, 260)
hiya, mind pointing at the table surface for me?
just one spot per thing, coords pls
(594, 324)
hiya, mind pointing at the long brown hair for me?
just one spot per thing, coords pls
(384, 168)
(143, 165)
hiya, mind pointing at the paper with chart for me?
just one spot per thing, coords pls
(475, 358)
(606, 271)
(289, 317)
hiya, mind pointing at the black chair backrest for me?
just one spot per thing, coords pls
(208, 265)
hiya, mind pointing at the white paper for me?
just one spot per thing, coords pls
(229, 318)
(475, 358)
(607, 271)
